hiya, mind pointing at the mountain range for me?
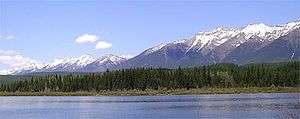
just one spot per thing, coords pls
(254, 43)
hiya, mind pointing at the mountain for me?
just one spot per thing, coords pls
(249, 44)
(84, 63)
(284, 48)
(253, 43)
(72, 64)
(106, 62)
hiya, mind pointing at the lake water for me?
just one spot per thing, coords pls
(264, 106)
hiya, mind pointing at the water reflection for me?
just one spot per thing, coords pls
(283, 105)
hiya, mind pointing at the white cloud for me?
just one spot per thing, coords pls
(16, 61)
(86, 38)
(103, 45)
(89, 38)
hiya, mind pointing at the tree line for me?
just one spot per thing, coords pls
(217, 75)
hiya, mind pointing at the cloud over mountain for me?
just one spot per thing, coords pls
(89, 38)
(16, 61)
(86, 38)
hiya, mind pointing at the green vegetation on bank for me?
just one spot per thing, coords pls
(218, 78)
(184, 91)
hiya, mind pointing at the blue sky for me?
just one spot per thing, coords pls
(43, 31)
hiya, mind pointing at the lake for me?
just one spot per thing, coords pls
(273, 105)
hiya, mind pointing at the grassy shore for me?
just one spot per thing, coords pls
(163, 92)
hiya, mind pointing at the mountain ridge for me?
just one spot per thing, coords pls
(231, 45)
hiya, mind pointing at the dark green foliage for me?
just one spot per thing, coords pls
(218, 75)
(4, 79)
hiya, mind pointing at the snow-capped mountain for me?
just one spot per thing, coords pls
(71, 64)
(233, 45)
(84, 63)
(206, 41)
(28, 68)
(249, 44)
(106, 62)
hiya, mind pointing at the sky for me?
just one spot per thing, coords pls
(41, 31)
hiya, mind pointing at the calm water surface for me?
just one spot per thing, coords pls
(264, 106)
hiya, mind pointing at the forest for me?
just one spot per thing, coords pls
(217, 75)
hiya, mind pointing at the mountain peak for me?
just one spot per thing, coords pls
(292, 25)
(110, 57)
(217, 36)
(258, 30)
(221, 29)
(85, 56)
(85, 59)
(256, 27)
(82, 60)
(154, 49)
(269, 32)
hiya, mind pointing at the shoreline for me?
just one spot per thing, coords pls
(161, 92)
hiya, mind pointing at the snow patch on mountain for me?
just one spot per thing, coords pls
(30, 67)
(70, 64)
(215, 37)
(78, 61)
(269, 32)
(113, 58)
(154, 49)
(260, 30)
(211, 39)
